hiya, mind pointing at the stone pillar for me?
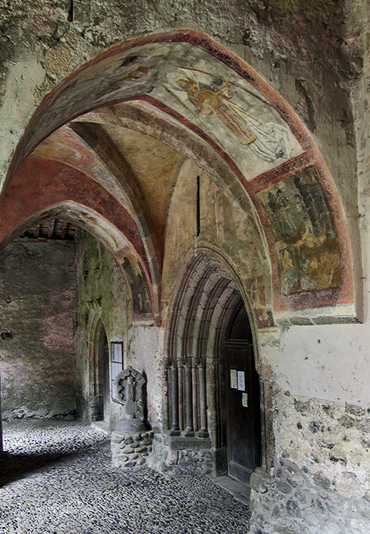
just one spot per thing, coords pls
(195, 383)
(175, 430)
(213, 427)
(189, 400)
(180, 394)
(203, 432)
(166, 415)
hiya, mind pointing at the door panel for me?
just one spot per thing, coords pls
(242, 411)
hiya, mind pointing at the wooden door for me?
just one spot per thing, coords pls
(243, 419)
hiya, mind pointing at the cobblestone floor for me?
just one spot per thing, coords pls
(59, 479)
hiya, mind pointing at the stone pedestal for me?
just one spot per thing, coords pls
(131, 441)
(133, 449)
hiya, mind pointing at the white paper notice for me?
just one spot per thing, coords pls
(241, 381)
(245, 400)
(233, 379)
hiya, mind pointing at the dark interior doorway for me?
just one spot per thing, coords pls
(243, 416)
(100, 386)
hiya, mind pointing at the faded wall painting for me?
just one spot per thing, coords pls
(141, 301)
(190, 83)
(304, 233)
(232, 113)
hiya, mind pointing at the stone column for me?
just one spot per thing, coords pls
(195, 387)
(213, 426)
(180, 393)
(189, 400)
(203, 432)
(166, 415)
(175, 430)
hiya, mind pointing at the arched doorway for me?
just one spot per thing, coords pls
(242, 395)
(212, 386)
(99, 405)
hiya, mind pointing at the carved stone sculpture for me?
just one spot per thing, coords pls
(130, 385)
(131, 441)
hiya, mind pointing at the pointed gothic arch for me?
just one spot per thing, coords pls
(200, 328)
(99, 391)
(240, 122)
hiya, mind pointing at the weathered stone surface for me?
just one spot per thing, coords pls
(325, 499)
(37, 303)
(134, 455)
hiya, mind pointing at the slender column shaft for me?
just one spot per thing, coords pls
(188, 398)
(175, 399)
(203, 400)
(195, 387)
(166, 415)
(180, 381)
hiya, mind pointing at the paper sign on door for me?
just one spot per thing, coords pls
(241, 381)
(233, 379)
(245, 400)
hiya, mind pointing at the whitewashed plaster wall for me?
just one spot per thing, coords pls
(328, 362)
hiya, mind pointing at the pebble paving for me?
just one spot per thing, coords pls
(58, 478)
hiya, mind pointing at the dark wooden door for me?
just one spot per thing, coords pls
(243, 419)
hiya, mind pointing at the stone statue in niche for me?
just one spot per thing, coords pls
(131, 441)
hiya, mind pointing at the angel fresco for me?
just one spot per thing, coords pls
(268, 141)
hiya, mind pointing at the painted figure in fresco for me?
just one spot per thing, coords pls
(139, 287)
(315, 206)
(208, 102)
(301, 209)
(304, 231)
(279, 206)
(268, 141)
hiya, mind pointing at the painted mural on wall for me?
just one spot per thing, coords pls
(304, 233)
(141, 302)
(255, 288)
(203, 91)
(226, 109)
(195, 84)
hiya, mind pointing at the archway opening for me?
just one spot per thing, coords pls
(213, 390)
(99, 399)
(242, 396)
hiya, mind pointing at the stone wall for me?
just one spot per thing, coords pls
(101, 295)
(319, 483)
(37, 300)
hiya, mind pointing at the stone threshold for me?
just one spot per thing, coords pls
(240, 492)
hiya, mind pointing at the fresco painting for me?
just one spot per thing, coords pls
(205, 95)
(140, 292)
(191, 82)
(304, 233)
(255, 288)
